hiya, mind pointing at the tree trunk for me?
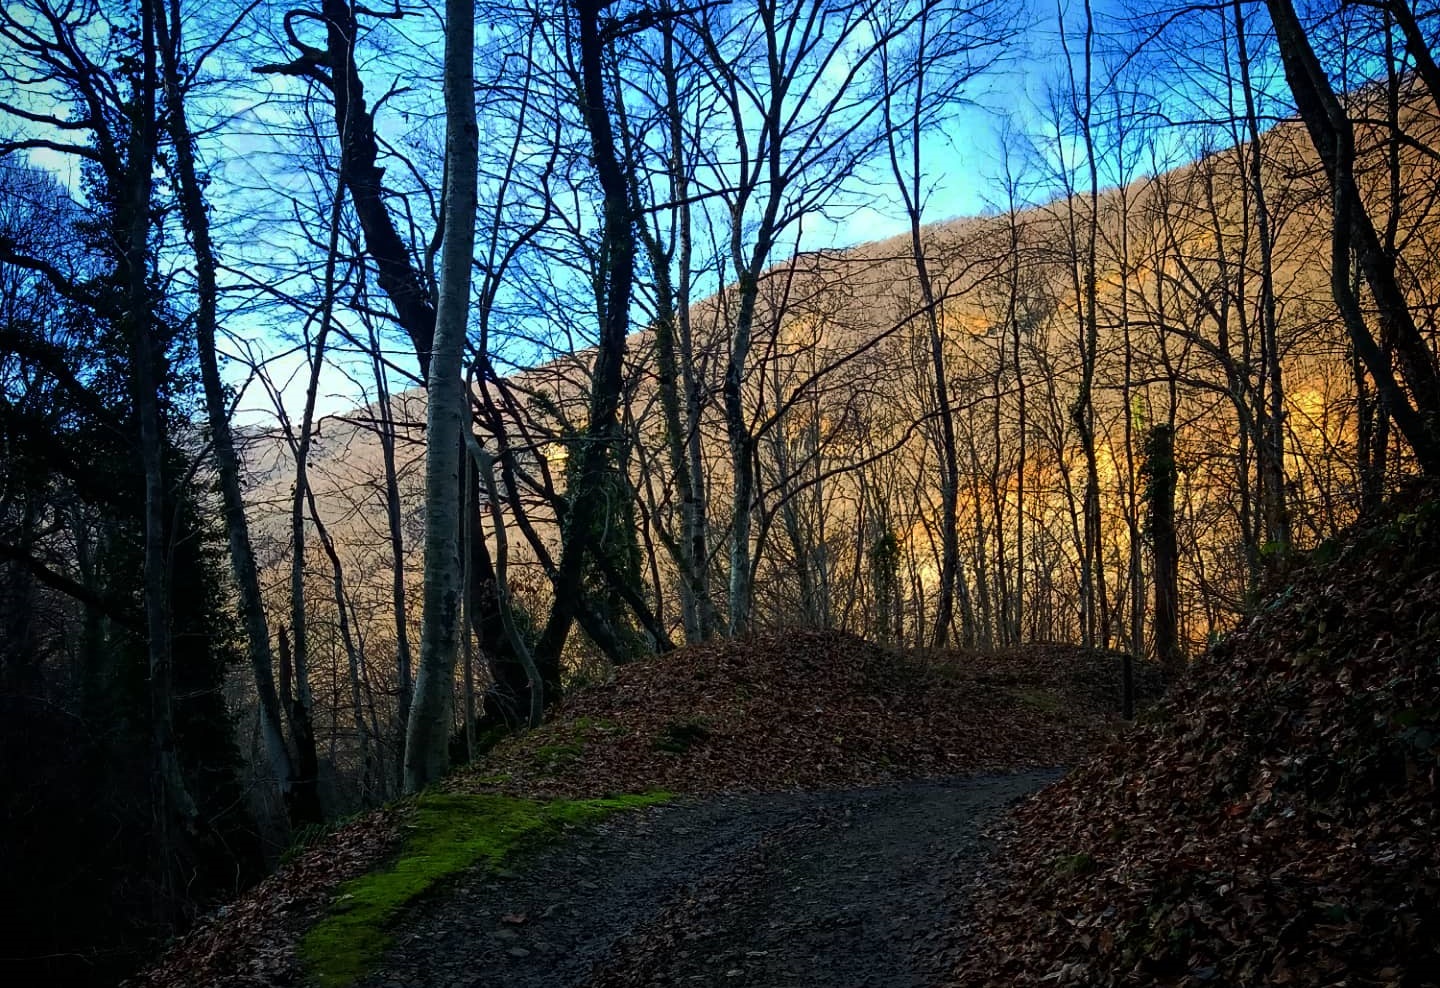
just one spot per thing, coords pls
(1098, 617)
(949, 461)
(1332, 135)
(173, 803)
(617, 272)
(369, 779)
(302, 810)
(742, 468)
(302, 701)
(1161, 476)
(485, 466)
(302, 729)
(672, 341)
(427, 734)
(404, 676)
(1415, 44)
(1271, 433)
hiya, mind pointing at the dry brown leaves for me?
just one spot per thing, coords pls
(251, 942)
(793, 709)
(1273, 824)
(808, 709)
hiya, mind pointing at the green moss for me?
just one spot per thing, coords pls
(448, 834)
(552, 756)
(597, 725)
(679, 736)
(1075, 864)
(1042, 700)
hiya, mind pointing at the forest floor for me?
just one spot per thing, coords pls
(1271, 821)
(821, 800)
(829, 889)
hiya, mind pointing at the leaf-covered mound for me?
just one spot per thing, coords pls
(1275, 822)
(252, 942)
(775, 711)
(811, 709)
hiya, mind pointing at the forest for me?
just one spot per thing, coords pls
(379, 383)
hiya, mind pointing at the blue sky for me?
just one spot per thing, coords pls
(964, 162)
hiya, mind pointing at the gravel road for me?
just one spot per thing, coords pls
(848, 889)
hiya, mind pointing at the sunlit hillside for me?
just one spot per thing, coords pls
(384, 388)
(844, 409)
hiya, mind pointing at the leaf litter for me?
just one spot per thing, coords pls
(1273, 822)
(786, 711)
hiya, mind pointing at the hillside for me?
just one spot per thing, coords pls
(839, 346)
(1272, 822)
(761, 560)
(763, 715)
(818, 712)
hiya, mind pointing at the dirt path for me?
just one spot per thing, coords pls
(840, 890)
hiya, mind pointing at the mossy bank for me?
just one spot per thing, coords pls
(447, 833)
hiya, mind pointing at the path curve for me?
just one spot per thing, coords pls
(851, 889)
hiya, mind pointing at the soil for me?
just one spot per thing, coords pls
(843, 889)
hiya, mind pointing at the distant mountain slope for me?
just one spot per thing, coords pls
(841, 384)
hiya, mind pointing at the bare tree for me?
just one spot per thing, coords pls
(800, 136)
(616, 281)
(428, 731)
(923, 82)
(667, 229)
(1417, 415)
(1271, 427)
(300, 795)
(1160, 480)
